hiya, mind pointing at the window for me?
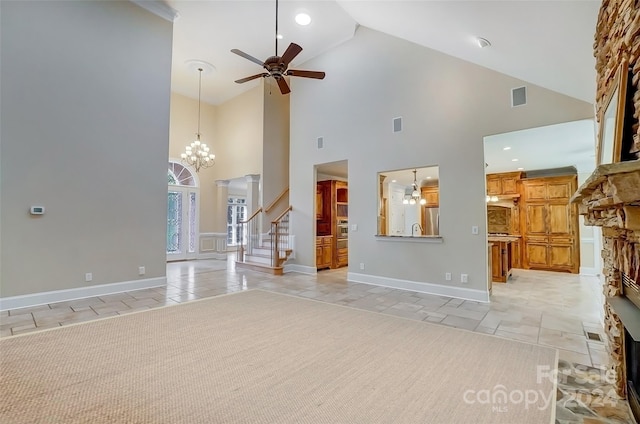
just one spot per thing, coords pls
(236, 213)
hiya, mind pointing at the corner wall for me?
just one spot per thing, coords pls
(85, 133)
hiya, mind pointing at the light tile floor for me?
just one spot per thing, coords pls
(551, 309)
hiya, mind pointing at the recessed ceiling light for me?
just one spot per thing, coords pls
(520, 169)
(394, 181)
(279, 36)
(506, 148)
(303, 19)
(514, 160)
(428, 178)
(482, 42)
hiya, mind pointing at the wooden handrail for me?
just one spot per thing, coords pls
(275, 221)
(277, 199)
(252, 216)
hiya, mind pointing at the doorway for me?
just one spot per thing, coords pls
(332, 215)
(182, 213)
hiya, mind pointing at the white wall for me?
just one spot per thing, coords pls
(85, 133)
(448, 106)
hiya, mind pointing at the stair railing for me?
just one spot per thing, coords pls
(249, 231)
(276, 200)
(280, 240)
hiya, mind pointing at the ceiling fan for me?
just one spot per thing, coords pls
(276, 66)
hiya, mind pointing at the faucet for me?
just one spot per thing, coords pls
(414, 226)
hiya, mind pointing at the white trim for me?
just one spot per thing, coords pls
(214, 255)
(158, 8)
(588, 271)
(411, 239)
(303, 269)
(44, 298)
(587, 239)
(429, 288)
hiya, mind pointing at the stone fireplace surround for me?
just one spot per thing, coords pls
(610, 198)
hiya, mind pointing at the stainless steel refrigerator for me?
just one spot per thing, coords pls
(431, 219)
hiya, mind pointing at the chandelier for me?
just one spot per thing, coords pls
(197, 153)
(415, 193)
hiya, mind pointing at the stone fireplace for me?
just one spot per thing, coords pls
(610, 198)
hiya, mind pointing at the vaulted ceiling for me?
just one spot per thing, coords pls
(548, 43)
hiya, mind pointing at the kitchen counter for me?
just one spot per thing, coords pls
(509, 238)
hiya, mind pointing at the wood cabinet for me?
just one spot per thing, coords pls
(501, 258)
(503, 184)
(431, 195)
(549, 224)
(332, 214)
(516, 254)
(324, 252)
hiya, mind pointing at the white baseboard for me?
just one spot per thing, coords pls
(214, 255)
(588, 271)
(429, 288)
(42, 298)
(303, 269)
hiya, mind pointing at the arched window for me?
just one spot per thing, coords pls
(180, 175)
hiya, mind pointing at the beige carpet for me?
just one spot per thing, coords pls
(260, 357)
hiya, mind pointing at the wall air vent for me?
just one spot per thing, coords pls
(518, 96)
(320, 142)
(397, 124)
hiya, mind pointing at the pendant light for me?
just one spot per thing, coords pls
(415, 193)
(197, 153)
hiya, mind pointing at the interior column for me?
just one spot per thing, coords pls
(220, 222)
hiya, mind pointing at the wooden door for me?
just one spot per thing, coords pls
(494, 186)
(550, 224)
(509, 185)
(496, 262)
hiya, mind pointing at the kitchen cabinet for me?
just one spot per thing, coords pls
(505, 183)
(501, 257)
(550, 224)
(332, 225)
(516, 254)
(431, 195)
(324, 252)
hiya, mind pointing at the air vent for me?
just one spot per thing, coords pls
(518, 96)
(593, 336)
(320, 142)
(397, 124)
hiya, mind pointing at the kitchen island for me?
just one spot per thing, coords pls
(501, 257)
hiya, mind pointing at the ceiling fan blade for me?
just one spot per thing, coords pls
(252, 77)
(292, 51)
(247, 56)
(306, 74)
(284, 87)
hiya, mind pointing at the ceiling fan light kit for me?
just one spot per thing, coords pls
(277, 66)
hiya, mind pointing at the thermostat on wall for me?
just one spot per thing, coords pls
(37, 210)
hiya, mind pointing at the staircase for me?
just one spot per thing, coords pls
(266, 253)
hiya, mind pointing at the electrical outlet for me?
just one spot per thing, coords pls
(447, 276)
(141, 270)
(88, 277)
(474, 229)
(464, 278)
(361, 265)
(354, 227)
